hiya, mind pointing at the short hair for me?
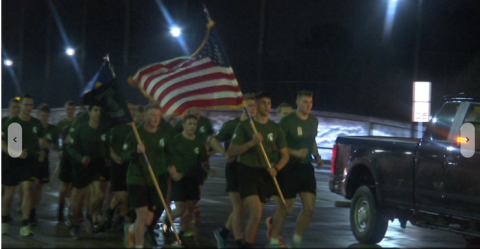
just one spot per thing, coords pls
(249, 96)
(44, 108)
(152, 106)
(304, 93)
(140, 108)
(70, 103)
(26, 96)
(262, 94)
(282, 105)
(187, 117)
(13, 100)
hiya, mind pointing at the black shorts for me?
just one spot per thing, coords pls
(118, 177)
(202, 175)
(82, 175)
(42, 172)
(231, 177)
(296, 178)
(66, 169)
(10, 173)
(187, 189)
(143, 195)
(27, 168)
(100, 171)
(254, 181)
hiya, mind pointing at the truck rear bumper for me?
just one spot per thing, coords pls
(336, 184)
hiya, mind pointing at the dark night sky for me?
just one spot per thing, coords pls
(333, 47)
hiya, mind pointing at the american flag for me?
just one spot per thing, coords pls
(203, 80)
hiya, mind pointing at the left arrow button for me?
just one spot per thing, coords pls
(15, 140)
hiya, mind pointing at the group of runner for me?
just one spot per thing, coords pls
(98, 164)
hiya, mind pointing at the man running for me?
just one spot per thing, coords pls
(118, 171)
(43, 170)
(65, 174)
(298, 176)
(33, 141)
(145, 198)
(224, 135)
(255, 178)
(188, 155)
(88, 153)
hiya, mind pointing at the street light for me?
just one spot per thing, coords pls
(8, 62)
(70, 51)
(175, 31)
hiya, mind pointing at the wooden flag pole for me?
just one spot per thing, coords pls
(280, 194)
(54, 174)
(156, 183)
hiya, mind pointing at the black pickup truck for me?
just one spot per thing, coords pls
(427, 181)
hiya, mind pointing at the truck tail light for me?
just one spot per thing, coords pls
(334, 158)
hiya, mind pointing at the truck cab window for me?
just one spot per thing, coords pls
(473, 113)
(443, 121)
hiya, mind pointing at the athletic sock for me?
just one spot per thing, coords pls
(274, 241)
(297, 239)
(131, 229)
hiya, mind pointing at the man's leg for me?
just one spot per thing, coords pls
(96, 199)
(237, 215)
(255, 208)
(27, 201)
(63, 193)
(139, 225)
(279, 217)
(79, 195)
(7, 199)
(305, 216)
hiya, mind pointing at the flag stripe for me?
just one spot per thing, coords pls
(180, 108)
(192, 83)
(157, 66)
(177, 76)
(220, 91)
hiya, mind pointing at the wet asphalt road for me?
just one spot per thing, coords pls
(329, 228)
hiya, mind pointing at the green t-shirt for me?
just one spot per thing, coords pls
(116, 137)
(156, 151)
(300, 134)
(62, 123)
(187, 155)
(204, 129)
(273, 139)
(31, 131)
(226, 132)
(51, 135)
(64, 135)
(86, 141)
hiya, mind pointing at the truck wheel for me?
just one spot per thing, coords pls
(367, 220)
(472, 240)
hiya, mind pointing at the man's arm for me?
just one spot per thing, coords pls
(218, 147)
(318, 158)
(284, 157)
(239, 149)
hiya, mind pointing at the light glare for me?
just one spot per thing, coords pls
(8, 63)
(70, 51)
(175, 31)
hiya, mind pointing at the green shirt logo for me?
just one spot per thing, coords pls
(299, 130)
(196, 150)
(202, 129)
(49, 136)
(125, 146)
(103, 137)
(162, 142)
(270, 137)
(34, 129)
